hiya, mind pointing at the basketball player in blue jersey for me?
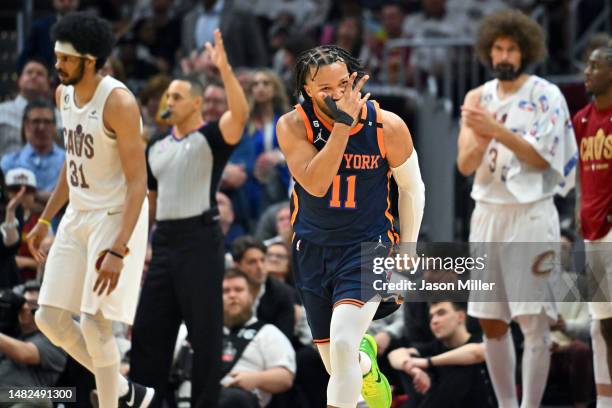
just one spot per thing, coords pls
(341, 150)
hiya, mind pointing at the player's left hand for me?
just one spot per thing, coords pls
(217, 53)
(109, 268)
(245, 380)
(479, 120)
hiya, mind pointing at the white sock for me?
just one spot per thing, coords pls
(365, 363)
(536, 358)
(604, 402)
(501, 363)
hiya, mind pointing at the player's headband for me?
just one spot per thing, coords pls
(68, 49)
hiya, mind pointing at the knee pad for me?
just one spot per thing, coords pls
(57, 325)
(101, 344)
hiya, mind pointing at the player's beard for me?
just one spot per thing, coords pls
(78, 76)
(505, 71)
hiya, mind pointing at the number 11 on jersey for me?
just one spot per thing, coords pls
(350, 192)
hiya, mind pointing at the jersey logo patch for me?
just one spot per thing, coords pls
(320, 137)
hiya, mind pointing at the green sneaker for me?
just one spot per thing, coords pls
(375, 389)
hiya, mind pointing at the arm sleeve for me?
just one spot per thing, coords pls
(411, 202)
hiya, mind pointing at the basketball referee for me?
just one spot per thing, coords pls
(186, 272)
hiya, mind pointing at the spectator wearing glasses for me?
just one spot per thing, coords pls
(41, 154)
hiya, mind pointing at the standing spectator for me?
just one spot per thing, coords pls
(39, 42)
(40, 154)
(150, 98)
(449, 370)
(30, 359)
(258, 359)
(269, 182)
(186, 271)
(33, 83)
(274, 300)
(245, 43)
(593, 125)
(515, 136)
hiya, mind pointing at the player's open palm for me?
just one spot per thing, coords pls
(351, 101)
(35, 238)
(109, 269)
(217, 53)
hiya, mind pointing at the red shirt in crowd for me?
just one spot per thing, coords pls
(594, 136)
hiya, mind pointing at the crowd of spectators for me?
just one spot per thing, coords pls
(428, 346)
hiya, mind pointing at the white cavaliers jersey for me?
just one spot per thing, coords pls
(538, 112)
(93, 168)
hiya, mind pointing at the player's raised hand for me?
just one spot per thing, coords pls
(109, 269)
(346, 110)
(217, 53)
(35, 238)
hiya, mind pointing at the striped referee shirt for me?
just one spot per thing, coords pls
(186, 172)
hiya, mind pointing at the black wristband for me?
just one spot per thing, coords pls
(338, 115)
(117, 254)
(429, 363)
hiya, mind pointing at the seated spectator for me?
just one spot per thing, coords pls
(20, 218)
(450, 370)
(274, 300)
(273, 223)
(33, 82)
(230, 229)
(29, 359)
(277, 262)
(40, 154)
(257, 358)
(283, 228)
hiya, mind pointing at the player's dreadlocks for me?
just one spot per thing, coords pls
(320, 56)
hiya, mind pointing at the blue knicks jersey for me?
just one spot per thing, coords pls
(356, 206)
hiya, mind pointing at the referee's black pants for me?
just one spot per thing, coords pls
(184, 282)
